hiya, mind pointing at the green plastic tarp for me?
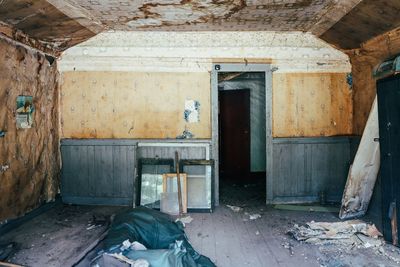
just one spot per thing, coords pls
(165, 240)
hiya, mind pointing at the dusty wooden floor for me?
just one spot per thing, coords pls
(56, 237)
(229, 238)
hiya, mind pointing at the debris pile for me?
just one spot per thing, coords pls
(184, 220)
(235, 208)
(348, 233)
(254, 216)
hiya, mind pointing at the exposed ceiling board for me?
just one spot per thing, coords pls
(206, 15)
(43, 22)
(79, 14)
(368, 19)
(334, 14)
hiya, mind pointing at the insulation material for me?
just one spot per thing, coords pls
(363, 61)
(311, 105)
(133, 105)
(32, 154)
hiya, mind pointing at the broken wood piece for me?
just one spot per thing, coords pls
(171, 187)
(363, 172)
(344, 233)
(393, 223)
(7, 264)
(178, 181)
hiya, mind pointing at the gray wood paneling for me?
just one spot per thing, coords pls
(97, 174)
(102, 172)
(303, 167)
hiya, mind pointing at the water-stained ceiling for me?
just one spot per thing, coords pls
(60, 24)
(208, 15)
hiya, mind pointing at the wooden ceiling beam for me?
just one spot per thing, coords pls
(333, 15)
(18, 36)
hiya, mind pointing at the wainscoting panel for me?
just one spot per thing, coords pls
(303, 168)
(103, 171)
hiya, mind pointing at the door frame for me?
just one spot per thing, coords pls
(217, 68)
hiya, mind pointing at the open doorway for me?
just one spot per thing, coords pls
(242, 136)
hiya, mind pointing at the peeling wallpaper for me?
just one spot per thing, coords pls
(146, 68)
(133, 105)
(312, 105)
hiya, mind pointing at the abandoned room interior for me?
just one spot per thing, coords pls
(199, 133)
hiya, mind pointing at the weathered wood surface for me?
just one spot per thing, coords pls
(363, 172)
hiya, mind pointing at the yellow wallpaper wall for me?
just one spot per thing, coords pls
(311, 104)
(133, 105)
(151, 105)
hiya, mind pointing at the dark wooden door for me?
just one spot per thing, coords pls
(389, 136)
(234, 136)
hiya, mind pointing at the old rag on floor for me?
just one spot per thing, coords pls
(165, 240)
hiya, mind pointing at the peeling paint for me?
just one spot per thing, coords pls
(215, 15)
(185, 135)
(192, 111)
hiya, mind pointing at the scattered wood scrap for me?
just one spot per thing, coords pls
(348, 233)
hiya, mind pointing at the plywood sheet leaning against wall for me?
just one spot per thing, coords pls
(311, 105)
(364, 170)
(29, 158)
(363, 61)
(133, 104)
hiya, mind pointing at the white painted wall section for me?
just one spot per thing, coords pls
(196, 51)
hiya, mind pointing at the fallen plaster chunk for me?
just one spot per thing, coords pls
(185, 220)
(234, 208)
(348, 233)
(254, 216)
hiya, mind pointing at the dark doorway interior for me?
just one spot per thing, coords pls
(234, 118)
(242, 137)
(389, 132)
